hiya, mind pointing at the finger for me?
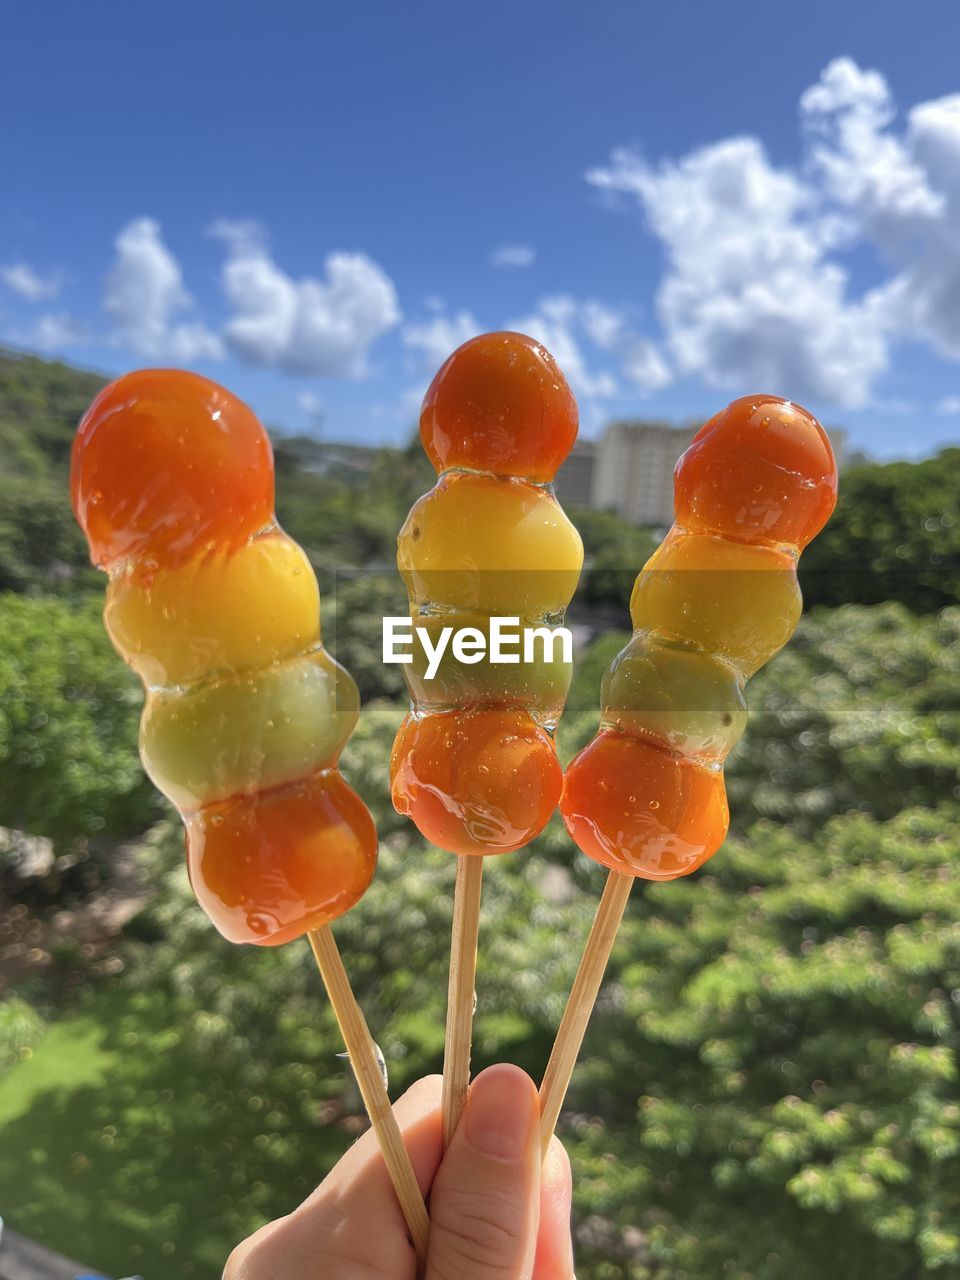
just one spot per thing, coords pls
(485, 1202)
(418, 1115)
(554, 1256)
(233, 1269)
(352, 1224)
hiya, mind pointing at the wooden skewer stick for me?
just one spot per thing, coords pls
(366, 1068)
(461, 989)
(583, 995)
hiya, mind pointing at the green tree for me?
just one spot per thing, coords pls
(354, 607)
(40, 543)
(68, 725)
(894, 536)
(21, 1026)
(860, 711)
(40, 404)
(769, 1086)
(41, 549)
(614, 551)
(347, 520)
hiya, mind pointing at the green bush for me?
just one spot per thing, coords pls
(769, 1087)
(20, 1029)
(894, 536)
(861, 711)
(68, 725)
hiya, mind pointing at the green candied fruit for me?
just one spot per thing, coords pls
(250, 732)
(691, 701)
(539, 686)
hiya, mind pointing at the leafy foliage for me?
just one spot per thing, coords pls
(861, 711)
(354, 607)
(776, 1058)
(347, 520)
(894, 536)
(68, 725)
(40, 544)
(21, 1026)
(40, 405)
(614, 552)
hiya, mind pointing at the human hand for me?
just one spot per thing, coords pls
(494, 1214)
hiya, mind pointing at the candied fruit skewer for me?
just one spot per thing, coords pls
(245, 713)
(712, 605)
(474, 764)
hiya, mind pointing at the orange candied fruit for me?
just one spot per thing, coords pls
(761, 470)
(641, 810)
(168, 463)
(481, 781)
(268, 867)
(500, 404)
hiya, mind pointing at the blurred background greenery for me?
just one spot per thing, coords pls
(769, 1084)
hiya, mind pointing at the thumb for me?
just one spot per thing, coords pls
(485, 1201)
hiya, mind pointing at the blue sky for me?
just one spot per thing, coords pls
(315, 204)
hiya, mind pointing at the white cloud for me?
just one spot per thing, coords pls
(309, 402)
(863, 166)
(949, 405)
(749, 297)
(641, 361)
(902, 191)
(21, 279)
(145, 293)
(755, 292)
(439, 336)
(644, 366)
(558, 323)
(322, 327)
(238, 233)
(56, 332)
(930, 281)
(603, 324)
(312, 407)
(513, 255)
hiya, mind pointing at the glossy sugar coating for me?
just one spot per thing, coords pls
(714, 602)
(499, 404)
(218, 612)
(474, 764)
(167, 465)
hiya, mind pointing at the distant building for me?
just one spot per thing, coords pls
(574, 482)
(629, 470)
(634, 474)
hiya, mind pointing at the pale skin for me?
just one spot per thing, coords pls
(495, 1212)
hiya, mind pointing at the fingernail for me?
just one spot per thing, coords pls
(500, 1112)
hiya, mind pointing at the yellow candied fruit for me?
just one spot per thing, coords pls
(495, 546)
(222, 613)
(730, 598)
